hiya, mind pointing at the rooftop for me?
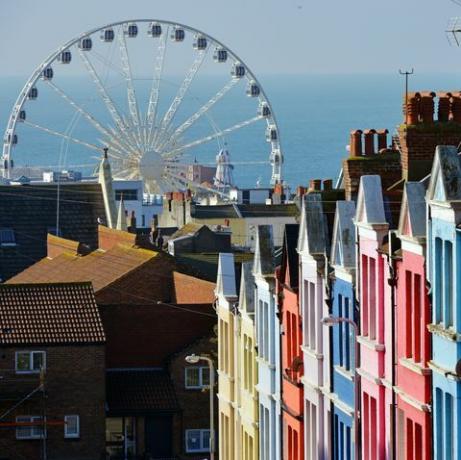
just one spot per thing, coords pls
(49, 314)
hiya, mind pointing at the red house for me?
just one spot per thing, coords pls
(292, 364)
(413, 337)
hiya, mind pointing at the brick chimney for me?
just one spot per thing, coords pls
(419, 137)
(376, 158)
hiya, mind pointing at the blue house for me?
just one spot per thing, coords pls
(343, 305)
(444, 269)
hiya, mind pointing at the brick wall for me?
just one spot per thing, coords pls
(195, 404)
(75, 385)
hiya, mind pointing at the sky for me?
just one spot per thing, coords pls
(272, 36)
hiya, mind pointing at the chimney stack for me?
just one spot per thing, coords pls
(328, 184)
(382, 139)
(132, 227)
(315, 185)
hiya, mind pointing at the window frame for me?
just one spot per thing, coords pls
(201, 385)
(31, 354)
(202, 432)
(68, 435)
(30, 418)
(7, 243)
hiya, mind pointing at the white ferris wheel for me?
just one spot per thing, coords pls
(157, 96)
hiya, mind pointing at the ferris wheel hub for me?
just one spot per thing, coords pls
(151, 166)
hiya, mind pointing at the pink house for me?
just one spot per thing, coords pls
(375, 338)
(414, 433)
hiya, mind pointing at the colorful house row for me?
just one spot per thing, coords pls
(356, 327)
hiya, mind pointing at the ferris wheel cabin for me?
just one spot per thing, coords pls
(220, 55)
(155, 30)
(107, 35)
(65, 57)
(33, 93)
(132, 30)
(178, 34)
(238, 70)
(85, 44)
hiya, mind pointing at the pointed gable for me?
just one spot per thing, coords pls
(445, 183)
(413, 212)
(289, 266)
(246, 298)
(370, 204)
(313, 232)
(225, 283)
(343, 245)
(264, 262)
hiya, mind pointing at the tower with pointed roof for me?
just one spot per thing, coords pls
(105, 179)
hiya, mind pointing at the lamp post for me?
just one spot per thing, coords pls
(194, 359)
(330, 321)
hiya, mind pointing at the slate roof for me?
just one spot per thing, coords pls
(247, 288)
(370, 204)
(445, 184)
(143, 391)
(313, 229)
(226, 281)
(188, 229)
(49, 314)
(235, 211)
(30, 210)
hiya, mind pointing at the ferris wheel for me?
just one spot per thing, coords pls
(157, 96)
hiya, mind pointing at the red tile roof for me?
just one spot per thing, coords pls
(132, 391)
(49, 314)
(191, 290)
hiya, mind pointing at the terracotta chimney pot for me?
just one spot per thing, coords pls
(382, 139)
(356, 143)
(369, 137)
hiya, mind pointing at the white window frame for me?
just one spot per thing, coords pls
(202, 448)
(200, 385)
(31, 354)
(32, 435)
(68, 435)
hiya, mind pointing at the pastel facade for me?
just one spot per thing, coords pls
(247, 368)
(414, 430)
(292, 363)
(313, 249)
(268, 345)
(375, 321)
(444, 241)
(343, 306)
(226, 294)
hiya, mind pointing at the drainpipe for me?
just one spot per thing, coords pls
(237, 378)
(392, 283)
(357, 381)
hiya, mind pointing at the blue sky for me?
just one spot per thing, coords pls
(273, 36)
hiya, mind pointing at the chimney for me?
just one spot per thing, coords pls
(356, 143)
(132, 226)
(418, 143)
(328, 184)
(369, 137)
(300, 191)
(121, 218)
(382, 139)
(154, 223)
(411, 109)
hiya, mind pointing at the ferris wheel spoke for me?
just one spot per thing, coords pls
(202, 111)
(131, 93)
(169, 115)
(92, 120)
(112, 109)
(108, 63)
(62, 135)
(155, 90)
(204, 140)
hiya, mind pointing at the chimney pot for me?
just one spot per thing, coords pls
(300, 191)
(455, 109)
(356, 143)
(328, 184)
(411, 109)
(382, 139)
(427, 107)
(369, 137)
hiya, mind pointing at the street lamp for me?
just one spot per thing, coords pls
(330, 321)
(194, 359)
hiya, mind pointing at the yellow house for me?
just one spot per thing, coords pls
(247, 371)
(226, 295)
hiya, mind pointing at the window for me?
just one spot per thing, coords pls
(7, 237)
(29, 431)
(448, 284)
(30, 361)
(369, 298)
(197, 377)
(72, 426)
(128, 194)
(438, 279)
(197, 440)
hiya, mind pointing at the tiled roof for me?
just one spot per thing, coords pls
(123, 270)
(49, 314)
(30, 210)
(235, 211)
(191, 290)
(132, 391)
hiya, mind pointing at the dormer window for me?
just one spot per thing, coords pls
(7, 237)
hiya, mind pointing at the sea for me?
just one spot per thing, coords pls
(314, 113)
